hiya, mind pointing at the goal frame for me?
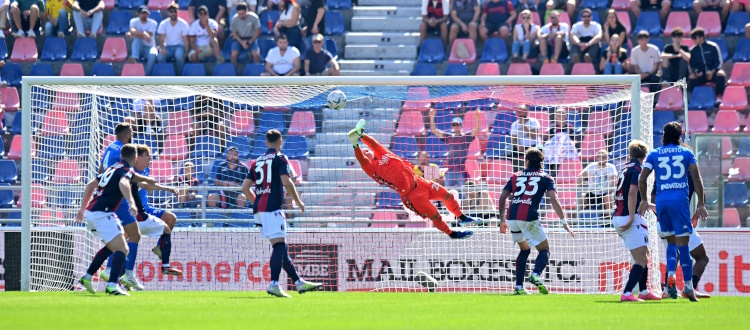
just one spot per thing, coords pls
(28, 81)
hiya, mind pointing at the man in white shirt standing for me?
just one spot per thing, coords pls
(584, 37)
(553, 39)
(602, 178)
(524, 133)
(143, 32)
(202, 36)
(173, 38)
(646, 61)
(282, 60)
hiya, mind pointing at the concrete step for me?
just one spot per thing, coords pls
(326, 198)
(377, 65)
(373, 112)
(338, 174)
(341, 139)
(367, 52)
(382, 38)
(387, 11)
(345, 125)
(384, 23)
(412, 3)
(358, 73)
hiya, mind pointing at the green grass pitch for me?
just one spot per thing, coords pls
(362, 310)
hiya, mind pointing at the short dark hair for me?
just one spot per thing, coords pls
(233, 148)
(643, 34)
(273, 136)
(697, 32)
(672, 133)
(677, 32)
(241, 6)
(638, 149)
(121, 128)
(281, 36)
(143, 149)
(586, 10)
(128, 151)
(535, 157)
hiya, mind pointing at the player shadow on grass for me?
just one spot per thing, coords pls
(617, 301)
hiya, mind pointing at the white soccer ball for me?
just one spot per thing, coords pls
(336, 100)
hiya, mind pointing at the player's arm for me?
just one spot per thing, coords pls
(643, 189)
(137, 178)
(433, 128)
(475, 130)
(374, 145)
(157, 187)
(286, 180)
(552, 194)
(87, 191)
(249, 194)
(124, 186)
(699, 191)
(501, 211)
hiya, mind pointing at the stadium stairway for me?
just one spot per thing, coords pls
(384, 38)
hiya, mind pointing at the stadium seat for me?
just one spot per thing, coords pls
(497, 171)
(498, 146)
(436, 148)
(271, 120)
(383, 219)
(339, 4)
(488, 69)
(503, 120)
(735, 194)
(424, 69)
(242, 143)
(735, 98)
(84, 50)
(410, 123)
(179, 122)
(456, 70)
(388, 200)
(334, 23)
(54, 49)
(103, 70)
(624, 18)
(259, 146)
(736, 23)
(661, 119)
(10, 98)
(431, 51)
(600, 122)
(303, 123)
(727, 121)
(224, 69)
(710, 22)
(670, 100)
(698, 122)
(297, 167)
(55, 123)
(330, 46)
(295, 147)
(38, 197)
(552, 69)
(130, 4)
(66, 102)
(591, 144)
(119, 22)
(194, 70)
(495, 50)
(580, 69)
(475, 150)
(649, 21)
(12, 74)
(206, 146)
(405, 147)
(242, 123)
(677, 19)
(703, 98)
(470, 120)
(595, 4)
(41, 69)
(164, 70)
(67, 171)
(24, 50)
(184, 14)
(133, 70)
(740, 75)
(265, 45)
(519, 69)
(731, 218)
(742, 51)
(6, 198)
(543, 118)
(16, 127)
(71, 70)
(568, 172)
(469, 45)
(175, 148)
(741, 170)
(253, 70)
(682, 5)
(114, 50)
(722, 43)
(3, 50)
(40, 171)
(162, 170)
(8, 172)
(265, 17)
(159, 5)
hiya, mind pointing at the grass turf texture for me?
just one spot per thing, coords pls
(325, 310)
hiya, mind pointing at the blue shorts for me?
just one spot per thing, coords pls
(155, 211)
(123, 213)
(238, 48)
(674, 217)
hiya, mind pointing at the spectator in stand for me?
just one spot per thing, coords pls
(613, 26)
(143, 32)
(553, 39)
(282, 60)
(705, 63)
(245, 27)
(497, 17)
(722, 6)
(524, 133)
(173, 38)
(202, 36)
(524, 37)
(739, 5)
(26, 17)
(272, 4)
(4, 19)
(614, 58)
(636, 6)
(458, 145)
(288, 23)
(208, 118)
(317, 59)
(477, 202)
(601, 178)
(215, 9)
(568, 6)
(435, 15)
(188, 182)
(560, 147)
(314, 22)
(585, 37)
(252, 6)
(646, 60)
(428, 170)
(88, 14)
(148, 122)
(464, 18)
(229, 174)
(57, 18)
(675, 58)
(3, 83)
(533, 5)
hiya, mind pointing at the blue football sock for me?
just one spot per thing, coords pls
(118, 261)
(99, 258)
(643, 283)
(289, 266)
(672, 258)
(521, 261)
(277, 260)
(687, 265)
(634, 278)
(130, 262)
(541, 262)
(165, 245)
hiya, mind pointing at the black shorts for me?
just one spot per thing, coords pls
(435, 29)
(493, 27)
(646, 5)
(564, 52)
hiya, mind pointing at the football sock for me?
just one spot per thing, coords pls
(441, 225)
(118, 262)
(696, 279)
(521, 260)
(289, 266)
(643, 283)
(634, 278)
(541, 262)
(130, 261)
(165, 245)
(687, 265)
(672, 258)
(99, 258)
(277, 260)
(462, 217)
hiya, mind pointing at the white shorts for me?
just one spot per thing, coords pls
(104, 225)
(152, 226)
(636, 235)
(273, 224)
(206, 51)
(695, 239)
(529, 231)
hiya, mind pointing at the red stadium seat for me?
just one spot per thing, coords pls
(568, 172)
(621, 4)
(475, 150)
(670, 100)
(600, 122)
(180, 122)
(564, 18)
(552, 69)
(710, 22)
(184, 14)
(543, 118)
(115, 50)
(740, 171)
(534, 18)
(242, 123)
(727, 121)
(159, 4)
(133, 70)
(417, 93)
(591, 144)
(10, 98)
(24, 50)
(303, 123)
(38, 197)
(384, 220)
(498, 171)
(735, 98)
(163, 171)
(677, 19)
(72, 70)
(731, 218)
(55, 123)
(67, 171)
(568, 199)
(109, 4)
(469, 44)
(470, 121)
(410, 123)
(727, 148)
(580, 69)
(175, 148)
(740, 75)
(297, 167)
(688, 42)
(488, 69)
(15, 152)
(472, 168)
(519, 69)
(624, 18)
(698, 122)
(66, 101)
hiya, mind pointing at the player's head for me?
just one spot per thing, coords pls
(144, 157)
(129, 153)
(601, 157)
(534, 158)
(638, 150)
(368, 153)
(273, 139)
(233, 155)
(423, 159)
(672, 133)
(124, 132)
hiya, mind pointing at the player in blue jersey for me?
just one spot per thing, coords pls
(528, 188)
(631, 226)
(670, 164)
(264, 187)
(109, 190)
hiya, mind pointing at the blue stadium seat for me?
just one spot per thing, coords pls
(206, 146)
(2, 146)
(6, 197)
(227, 51)
(389, 200)
(84, 50)
(456, 69)
(657, 42)
(502, 122)
(743, 150)
(703, 98)
(722, 43)
(431, 51)
(649, 21)
(3, 50)
(130, 4)
(184, 4)
(499, 146)
(156, 16)
(259, 146)
(712, 197)
(243, 145)
(481, 104)
(253, 70)
(225, 69)
(334, 23)
(246, 220)
(295, 147)
(8, 172)
(265, 45)
(51, 147)
(657, 140)
(594, 16)
(450, 105)
(39, 170)
(54, 49)
(424, 69)
(68, 197)
(119, 22)
(265, 16)
(661, 118)
(594, 4)
(271, 120)
(12, 73)
(331, 47)
(405, 147)
(620, 144)
(339, 4)
(435, 146)
(148, 140)
(15, 128)
(41, 69)
(103, 70)
(741, 51)
(443, 119)
(736, 23)
(735, 194)
(194, 70)
(682, 5)
(165, 70)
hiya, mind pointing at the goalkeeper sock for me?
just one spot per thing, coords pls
(696, 279)
(521, 260)
(441, 225)
(541, 262)
(118, 264)
(687, 265)
(643, 283)
(277, 260)
(165, 245)
(289, 266)
(99, 258)
(452, 205)
(634, 278)
(672, 259)
(130, 261)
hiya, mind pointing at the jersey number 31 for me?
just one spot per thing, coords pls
(259, 168)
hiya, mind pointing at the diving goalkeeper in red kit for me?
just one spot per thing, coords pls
(388, 169)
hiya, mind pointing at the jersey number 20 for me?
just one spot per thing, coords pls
(522, 187)
(676, 163)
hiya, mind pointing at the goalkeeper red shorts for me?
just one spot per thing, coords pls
(418, 199)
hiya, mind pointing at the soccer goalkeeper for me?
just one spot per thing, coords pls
(388, 169)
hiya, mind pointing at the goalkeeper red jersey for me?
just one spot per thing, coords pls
(387, 168)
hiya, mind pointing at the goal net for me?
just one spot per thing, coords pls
(355, 234)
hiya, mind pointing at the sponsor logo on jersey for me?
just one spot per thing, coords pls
(384, 160)
(675, 185)
(526, 201)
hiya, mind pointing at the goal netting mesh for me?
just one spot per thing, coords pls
(355, 234)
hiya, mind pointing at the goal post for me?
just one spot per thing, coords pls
(359, 253)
